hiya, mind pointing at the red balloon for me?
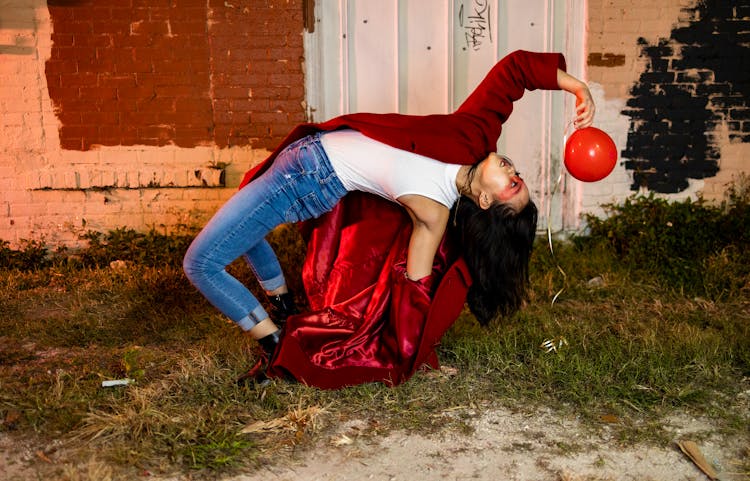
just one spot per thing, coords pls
(590, 154)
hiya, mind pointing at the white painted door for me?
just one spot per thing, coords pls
(426, 56)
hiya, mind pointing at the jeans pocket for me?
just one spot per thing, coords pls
(306, 160)
(306, 207)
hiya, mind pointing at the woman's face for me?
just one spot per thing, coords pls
(500, 182)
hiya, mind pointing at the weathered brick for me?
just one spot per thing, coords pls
(11, 119)
(740, 113)
(144, 27)
(22, 209)
(80, 79)
(187, 3)
(76, 27)
(189, 14)
(231, 92)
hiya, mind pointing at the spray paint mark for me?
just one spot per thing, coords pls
(476, 23)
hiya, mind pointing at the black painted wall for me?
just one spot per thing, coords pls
(695, 80)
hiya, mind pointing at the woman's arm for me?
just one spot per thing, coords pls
(509, 79)
(430, 219)
(585, 107)
(423, 245)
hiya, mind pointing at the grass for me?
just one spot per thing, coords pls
(632, 346)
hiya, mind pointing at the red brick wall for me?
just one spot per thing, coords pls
(183, 72)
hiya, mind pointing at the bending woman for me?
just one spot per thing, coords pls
(424, 164)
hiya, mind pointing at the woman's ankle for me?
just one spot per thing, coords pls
(263, 329)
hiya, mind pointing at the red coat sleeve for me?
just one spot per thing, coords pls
(507, 81)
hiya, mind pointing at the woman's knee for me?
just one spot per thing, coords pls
(194, 263)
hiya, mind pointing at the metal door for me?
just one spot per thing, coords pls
(426, 56)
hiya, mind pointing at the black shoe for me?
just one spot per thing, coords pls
(257, 373)
(282, 306)
(270, 342)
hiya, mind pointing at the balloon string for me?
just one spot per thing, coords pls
(549, 222)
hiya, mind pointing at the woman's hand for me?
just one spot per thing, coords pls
(585, 108)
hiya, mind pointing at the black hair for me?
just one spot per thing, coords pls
(496, 244)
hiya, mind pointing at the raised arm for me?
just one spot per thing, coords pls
(585, 108)
(507, 81)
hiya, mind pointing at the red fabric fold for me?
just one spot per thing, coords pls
(368, 322)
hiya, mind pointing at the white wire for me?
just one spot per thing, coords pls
(549, 222)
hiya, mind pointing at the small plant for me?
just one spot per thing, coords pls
(691, 245)
(218, 454)
(132, 363)
(150, 248)
(32, 255)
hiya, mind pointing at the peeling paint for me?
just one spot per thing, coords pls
(605, 59)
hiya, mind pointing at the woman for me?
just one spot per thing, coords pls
(390, 155)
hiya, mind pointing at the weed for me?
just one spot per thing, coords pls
(690, 245)
(150, 248)
(217, 454)
(31, 255)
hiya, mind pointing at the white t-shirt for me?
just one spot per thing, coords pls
(364, 164)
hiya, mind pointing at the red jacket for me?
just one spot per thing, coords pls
(367, 322)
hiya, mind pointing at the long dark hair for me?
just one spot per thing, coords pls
(496, 245)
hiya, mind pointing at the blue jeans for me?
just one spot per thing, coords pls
(299, 185)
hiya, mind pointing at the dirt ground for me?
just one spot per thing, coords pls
(536, 446)
(509, 446)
